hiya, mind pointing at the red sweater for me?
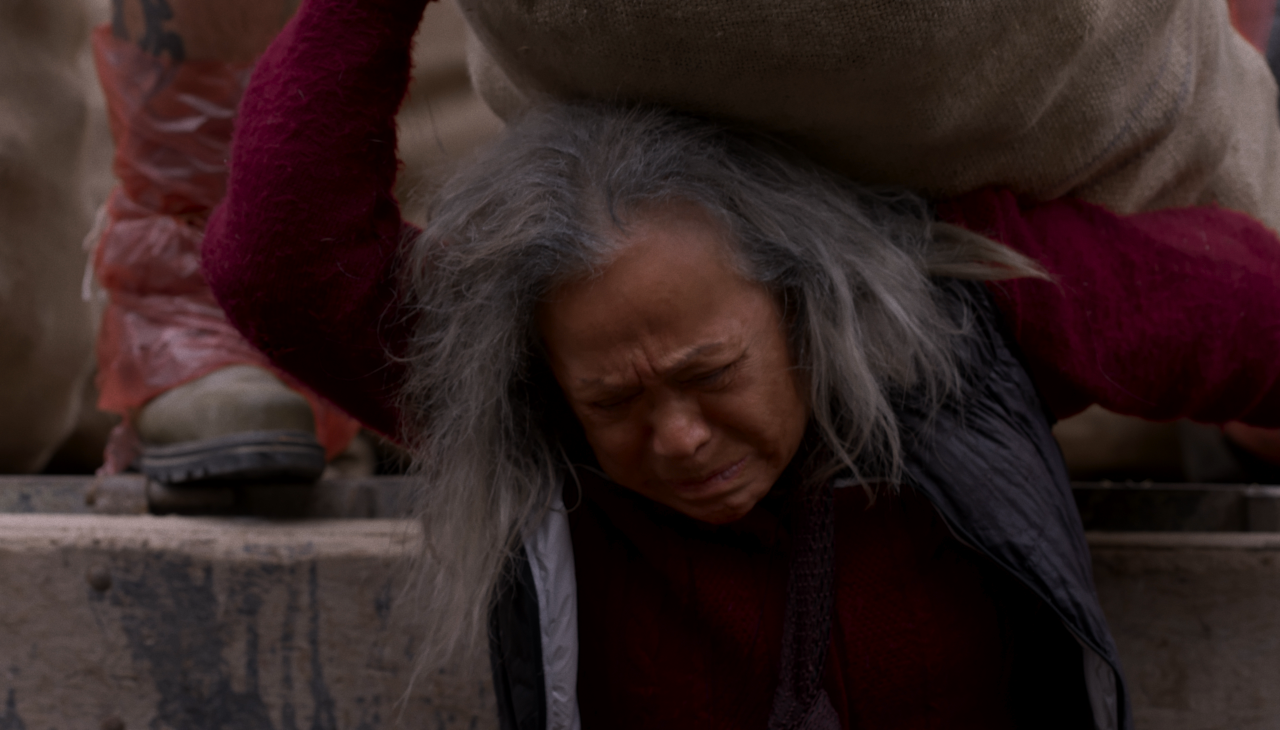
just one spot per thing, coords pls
(1165, 314)
(680, 623)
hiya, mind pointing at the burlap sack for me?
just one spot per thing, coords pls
(1135, 104)
(48, 126)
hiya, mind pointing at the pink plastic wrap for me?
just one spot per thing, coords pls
(162, 327)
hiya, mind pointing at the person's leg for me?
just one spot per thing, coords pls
(199, 402)
(440, 123)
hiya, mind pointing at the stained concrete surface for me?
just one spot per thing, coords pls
(200, 623)
(203, 623)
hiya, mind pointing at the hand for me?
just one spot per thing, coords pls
(1261, 442)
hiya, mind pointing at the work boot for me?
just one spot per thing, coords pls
(239, 423)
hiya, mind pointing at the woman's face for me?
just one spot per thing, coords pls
(678, 368)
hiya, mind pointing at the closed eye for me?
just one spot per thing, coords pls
(708, 378)
(614, 402)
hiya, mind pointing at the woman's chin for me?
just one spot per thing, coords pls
(720, 516)
(730, 505)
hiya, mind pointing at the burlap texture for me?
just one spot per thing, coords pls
(1134, 104)
(48, 173)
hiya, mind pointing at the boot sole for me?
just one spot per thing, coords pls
(293, 456)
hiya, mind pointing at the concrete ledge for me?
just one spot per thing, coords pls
(248, 540)
(193, 623)
(1185, 540)
(1196, 617)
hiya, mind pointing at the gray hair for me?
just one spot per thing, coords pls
(850, 267)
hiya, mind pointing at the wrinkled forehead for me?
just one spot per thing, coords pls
(671, 266)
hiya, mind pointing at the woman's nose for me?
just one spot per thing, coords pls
(679, 428)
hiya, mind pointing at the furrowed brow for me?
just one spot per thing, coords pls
(676, 366)
(693, 354)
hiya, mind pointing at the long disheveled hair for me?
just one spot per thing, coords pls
(851, 269)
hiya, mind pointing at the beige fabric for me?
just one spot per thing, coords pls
(49, 128)
(442, 120)
(1136, 104)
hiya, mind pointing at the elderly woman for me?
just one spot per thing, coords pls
(709, 436)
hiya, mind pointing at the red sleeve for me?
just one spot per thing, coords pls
(1167, 314)
(301, 253)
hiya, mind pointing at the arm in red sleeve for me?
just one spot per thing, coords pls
(1167, 314)
(301, 253)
